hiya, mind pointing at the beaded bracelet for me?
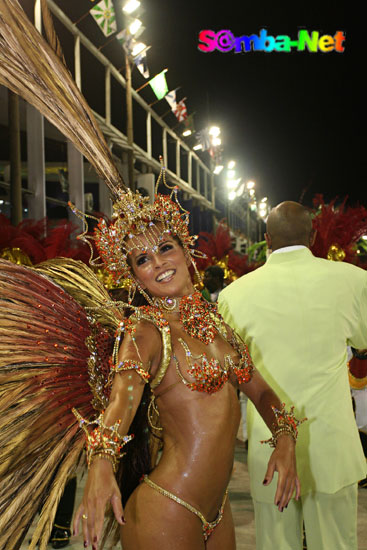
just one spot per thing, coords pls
(104, 441)
(285, 423)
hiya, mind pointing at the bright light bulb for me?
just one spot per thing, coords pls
(231, 174)
(232, 195)
(135, 26)
(250, 184)
(252, 192)
(216, 141)
(217, 170)
(130, 6)
(187, 133)
(231, 164)
(264, 199)
(214, 131)
(231, 184)
(198, 147)
(138, 48)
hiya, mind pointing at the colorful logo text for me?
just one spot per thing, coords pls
(225, 41)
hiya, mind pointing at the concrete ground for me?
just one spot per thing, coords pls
(243, 510)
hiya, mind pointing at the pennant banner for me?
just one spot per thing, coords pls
(180, 111)
(141, 63)
(104, 14)
(126, 40)
(159, 85)
(171, 99)
(189, 123)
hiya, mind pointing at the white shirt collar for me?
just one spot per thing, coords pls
(289, 248)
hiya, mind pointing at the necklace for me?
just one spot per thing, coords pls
(167, 304)
(200, 319)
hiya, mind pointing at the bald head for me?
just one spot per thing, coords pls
(288, 224)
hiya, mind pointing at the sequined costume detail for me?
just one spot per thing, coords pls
(200, 319)
(128, 364)
(204, 323)
(210, 375)
(104, 441)
(208, 526)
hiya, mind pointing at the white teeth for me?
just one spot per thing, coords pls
(165, 275)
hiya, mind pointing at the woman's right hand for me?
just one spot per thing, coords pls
(101, 489)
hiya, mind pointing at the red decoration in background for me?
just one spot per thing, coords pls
(342, 226)
(240, 264)
(219, 251)
(43, 240)
(215, 246)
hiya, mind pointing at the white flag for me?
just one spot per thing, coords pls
(171, 99)
(104, 15)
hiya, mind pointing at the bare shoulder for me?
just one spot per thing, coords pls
(143, 338)
(147, 333)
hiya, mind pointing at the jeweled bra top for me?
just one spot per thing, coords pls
(200, 319)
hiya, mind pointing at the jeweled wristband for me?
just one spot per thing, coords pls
(104, 441)
(285, 423)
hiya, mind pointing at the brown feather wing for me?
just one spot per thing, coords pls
(44, 372)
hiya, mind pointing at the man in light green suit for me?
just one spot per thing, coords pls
(297, 314)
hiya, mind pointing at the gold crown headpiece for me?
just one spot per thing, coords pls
(132, 216)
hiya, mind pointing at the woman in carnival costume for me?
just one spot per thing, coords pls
(159, 377)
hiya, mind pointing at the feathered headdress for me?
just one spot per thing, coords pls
(133, 216)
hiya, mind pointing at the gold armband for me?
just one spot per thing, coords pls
(104, 441)
(285, 423)
(128, 364)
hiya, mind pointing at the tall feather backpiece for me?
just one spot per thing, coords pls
(45, 327)
(52, 321)
(31, 68)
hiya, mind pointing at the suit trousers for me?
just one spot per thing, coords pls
(330, 522)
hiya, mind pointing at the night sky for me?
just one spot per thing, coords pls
(285, 117)
(289, 120)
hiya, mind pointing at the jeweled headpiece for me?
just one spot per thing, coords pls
(133, 215)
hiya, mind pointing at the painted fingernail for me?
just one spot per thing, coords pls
(95, 539)
(265, 480)
(277, 503)
(123, 519)
(85, 544)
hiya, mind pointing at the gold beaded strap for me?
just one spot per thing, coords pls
(208, 526)
(104, 441)
(285, 423)
(127, 364)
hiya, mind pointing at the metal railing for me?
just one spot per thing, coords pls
(200, 180)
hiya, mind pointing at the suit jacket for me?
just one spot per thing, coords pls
(297, 314)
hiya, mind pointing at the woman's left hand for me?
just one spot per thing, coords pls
(283, 461)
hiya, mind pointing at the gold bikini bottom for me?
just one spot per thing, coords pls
(208, 526)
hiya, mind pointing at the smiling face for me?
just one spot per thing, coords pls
(163, 272)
